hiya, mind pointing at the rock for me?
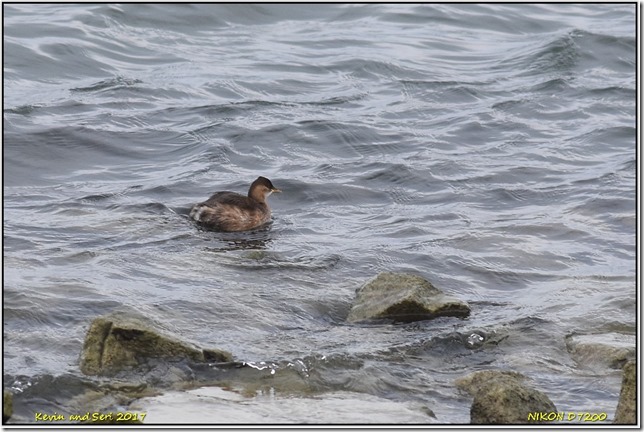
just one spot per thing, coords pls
(501, 397)
(120, 341)
(403, 297)
(474, 382)
(7, 405)
(626, 410)
(214, 355)
(611, 350)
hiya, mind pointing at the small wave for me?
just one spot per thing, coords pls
(23, 109)
(260, 259)
(558, 55)
(397, 174)
(108, 84)
(377, 70)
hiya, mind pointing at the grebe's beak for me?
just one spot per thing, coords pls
(275, 190)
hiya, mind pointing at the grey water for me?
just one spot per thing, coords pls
(489, 148)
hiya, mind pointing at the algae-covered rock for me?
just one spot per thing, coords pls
(7, 405)
(214, 355)
(626, 408)
(474, 382)
(403, 297)
(611, 350)
(501, 397)
(119, 341)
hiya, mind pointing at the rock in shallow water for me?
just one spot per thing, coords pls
(501, 397)
(7, 405)
(626, 408)
(119, 341)
(403, 297)
(602, 349)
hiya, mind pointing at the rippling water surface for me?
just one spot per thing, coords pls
(488, 148)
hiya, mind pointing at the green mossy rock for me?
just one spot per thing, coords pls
(121, 341)
(405, 298)
(474, 382)
(501, 397)
(626, 407)
(601, 350)
(7, 405)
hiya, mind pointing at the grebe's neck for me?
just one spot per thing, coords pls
(258, 194)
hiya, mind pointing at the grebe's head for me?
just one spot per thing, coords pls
(262, 187)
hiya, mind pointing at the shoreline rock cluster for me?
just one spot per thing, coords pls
(124, 343)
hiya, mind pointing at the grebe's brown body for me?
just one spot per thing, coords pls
(230, 211)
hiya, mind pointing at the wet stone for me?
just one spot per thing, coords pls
(403, 297)
(626, 407)
(7, 405)
(502, 397)
(601, 350)
(121, 341)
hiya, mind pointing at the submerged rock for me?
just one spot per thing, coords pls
(501, 397)
(611, 350)
(403, 297)
(7, 405)
(120, 341)
(626, 408)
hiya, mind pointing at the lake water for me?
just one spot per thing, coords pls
(488, 148)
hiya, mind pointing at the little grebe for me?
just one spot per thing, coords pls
(230, 211)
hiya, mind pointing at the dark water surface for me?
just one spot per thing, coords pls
(488, 148)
